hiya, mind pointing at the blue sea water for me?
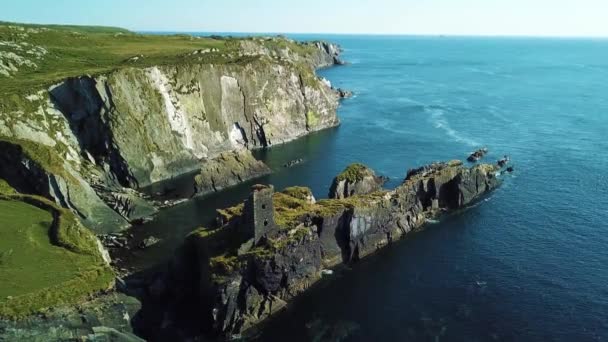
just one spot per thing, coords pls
(529, 262)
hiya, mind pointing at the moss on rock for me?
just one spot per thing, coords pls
(354, 172)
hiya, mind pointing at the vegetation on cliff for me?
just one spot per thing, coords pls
(34, 56)
(46, 257)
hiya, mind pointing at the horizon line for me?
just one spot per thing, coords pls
(472, 35)
(400, 34)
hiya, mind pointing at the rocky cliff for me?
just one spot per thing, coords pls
(275, 245)
(87, 142)
(356, 179)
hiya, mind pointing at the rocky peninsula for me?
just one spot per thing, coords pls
(88, 139)
(80, 138)
(276, 245)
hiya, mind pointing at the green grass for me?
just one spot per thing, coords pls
(45, 263)
(5, 188)
(82, 50)
(354, 172)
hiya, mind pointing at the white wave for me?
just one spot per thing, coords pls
(440, 121)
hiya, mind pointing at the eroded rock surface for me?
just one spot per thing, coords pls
(243, 271)
(356, 179)
(228, 169)
(88, 142)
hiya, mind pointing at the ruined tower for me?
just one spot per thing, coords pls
(259, 211)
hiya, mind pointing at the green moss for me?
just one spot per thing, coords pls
(312, 119)
(289, 210)
(299, 192)
(223, 265)
(294, 237)
(354, 172)
(5, 188)
(228, 214)
(45, 156)
(46, 258)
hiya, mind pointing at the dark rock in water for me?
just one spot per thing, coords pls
(141, 221)
(354, 180)
(502, 162)
(228, 169)
(477, 155)
(344, 94)
(276, 245)
(114, 240)
(149, 242)
(294, 162)
(510, 169)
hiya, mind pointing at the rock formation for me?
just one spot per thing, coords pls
(477, 155)
(87, 142)
(275, 245)
(228, 169)
(356, 179)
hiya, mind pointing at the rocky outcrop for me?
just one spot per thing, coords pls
(275, 246)
(356, 179)
(330, 54)
(228, 169)
(477, 155)
(50, 177)
(344, 94)
(113, 133)
(105, 318)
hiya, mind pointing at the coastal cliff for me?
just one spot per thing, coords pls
(274, 246)
(90, 139)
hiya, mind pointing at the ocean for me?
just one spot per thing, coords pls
(527, 263)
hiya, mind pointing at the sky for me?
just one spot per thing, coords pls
(433, 17)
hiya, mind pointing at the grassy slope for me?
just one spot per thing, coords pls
(74, 51)
(41, 267)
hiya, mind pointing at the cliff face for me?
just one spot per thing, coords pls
(110, 133)
(275, 246)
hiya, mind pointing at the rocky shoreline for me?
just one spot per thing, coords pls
(275, 245)
(89, 143)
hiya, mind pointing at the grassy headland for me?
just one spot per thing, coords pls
(46, 257)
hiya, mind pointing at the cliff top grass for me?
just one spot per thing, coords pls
(46, 258)
(36, 56)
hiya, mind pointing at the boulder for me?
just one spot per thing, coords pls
(354, 180)
(344, 94)
(228, 169)
(477, 155)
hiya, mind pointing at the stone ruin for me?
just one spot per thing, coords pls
(259, 212)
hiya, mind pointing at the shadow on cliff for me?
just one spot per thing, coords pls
(89, 114)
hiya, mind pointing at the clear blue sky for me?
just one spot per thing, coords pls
(459, 17)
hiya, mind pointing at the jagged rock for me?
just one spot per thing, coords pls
(241, 283)
(294, 162)
(228, 169)
(149, 242)
(355, 179)
(502, 162)
(57, 182)
(477, 155)
(105, 318)
(344, 94)
(330, 54)
(130, 127)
